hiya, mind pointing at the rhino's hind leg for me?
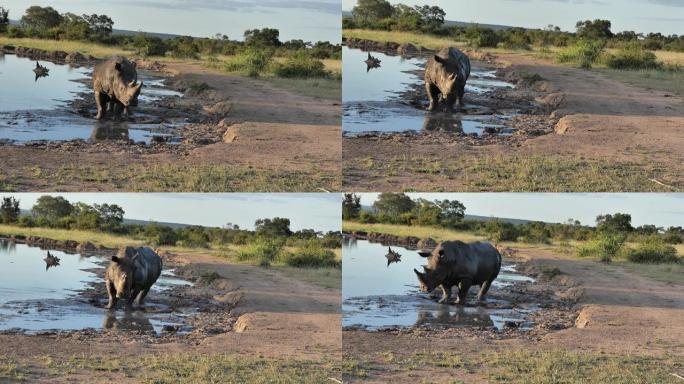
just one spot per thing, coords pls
(446, 295)
(461, 93)
(140, 301)
(101, 100)
(483, 289)
(433, 95)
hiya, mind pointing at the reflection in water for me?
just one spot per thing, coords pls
(40, 71)
(445, 122)
(458, 316)
(109, 130)
(130, 322)
(372, 62)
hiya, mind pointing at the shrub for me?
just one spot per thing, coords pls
(606, 247)
(261, 251)
(252, 61)
(367, 217)
(311, 255)
(585, 53)
(300, 65)
(502, 231)
(633, 56)
(482, 37)
(653, 250)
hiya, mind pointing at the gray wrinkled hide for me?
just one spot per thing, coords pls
(455, 263)
(446, 74)
(115, 86)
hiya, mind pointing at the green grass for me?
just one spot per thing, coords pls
(93, 49)
(655, 79)
(97, 238)
(324, 88)
(518, 173)
(330, 277)
(186, 178)
(439, 234)
(666, 273)
(196, 368)
(417, 39)
(10, 370)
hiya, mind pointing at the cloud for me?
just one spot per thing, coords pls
(262, 6)
(668, 3)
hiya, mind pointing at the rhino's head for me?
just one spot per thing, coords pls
(447, 75)
(427, 279)
(121, 273)
(127, 92)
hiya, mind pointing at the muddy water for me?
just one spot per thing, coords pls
(373, 102)
(33, 299)
(34, 110)
(377, 296)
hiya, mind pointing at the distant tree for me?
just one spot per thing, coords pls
(627, 36)
(48, 210)
(41, 18)
(432, 17)
(4, 19)
(275, 227)
(9, 210)
(100, 26)
(597, 29)
(452, 210)
(371, 11)
(351, 206)
(74, 27)
(85, 217)
(619, 222)
(393, 204)
(427, 212)
(111, 216)
(407, 18)
(268, 37)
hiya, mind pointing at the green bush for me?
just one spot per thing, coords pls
(310, 255)
(300, 65)
(367, 217)
(653, 250)
(605, 247)
(252, 61)
(633, 56)
(502, 231)
(584, 53)
(482, 37)
(262, 251)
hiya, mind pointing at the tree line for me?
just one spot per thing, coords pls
(58, 212)
(48, 23)
(381, 15)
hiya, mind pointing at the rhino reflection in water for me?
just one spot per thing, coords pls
(444, 122)
(454, 316)
(51, 261)
(40, 71)
(372, 62)
(392, 256)
(104, 130)
(130, 321)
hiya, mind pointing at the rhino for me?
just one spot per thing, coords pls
(446, 74)
(455, 263)
(392, 256)
(50, 261)
(116, 87)
(131, 274)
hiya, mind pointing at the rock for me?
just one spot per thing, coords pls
(427, 243)
(86, 247)
(222, 108)
(230, 135)
(408, 49)
(562, 126)
(75, 57)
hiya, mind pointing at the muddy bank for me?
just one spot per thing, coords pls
(74, 58)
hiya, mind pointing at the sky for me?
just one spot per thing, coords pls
(664, 16)
(309, 20)
(660, 209)
(318, 211)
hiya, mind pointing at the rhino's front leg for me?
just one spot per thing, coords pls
(463, 288)
(111, 292)
(101, 103)
(446, 294)
(433, 95)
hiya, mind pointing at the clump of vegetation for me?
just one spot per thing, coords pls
(209, 278)
(252, 62)
(606, 247)
(531, 78)
(584, 53)
(300, 65)
(633, 56)
(653, 250)
(262, 251)
(197, 88)
(312, 255)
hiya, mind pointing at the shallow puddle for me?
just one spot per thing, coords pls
(372, 99)
(36, 299)
(377, 296)
(34, 110)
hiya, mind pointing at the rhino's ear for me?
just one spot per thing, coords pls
(116, 259)
(117, 66)
(424, 253)
(439, 59)
(421, 276)
(441, 253)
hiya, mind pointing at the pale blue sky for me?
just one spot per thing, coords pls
(309, 20)
(664, 16)
(661, 209)
(317, 211)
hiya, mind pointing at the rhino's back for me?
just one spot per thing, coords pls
(462, 61)
(478, 261)
(148, 267)
(105, 73)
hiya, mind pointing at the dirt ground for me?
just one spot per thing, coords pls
(268, 316)
(598, 135)
(618, 313)
(277, 141)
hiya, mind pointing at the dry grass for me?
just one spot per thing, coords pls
(93, 49)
